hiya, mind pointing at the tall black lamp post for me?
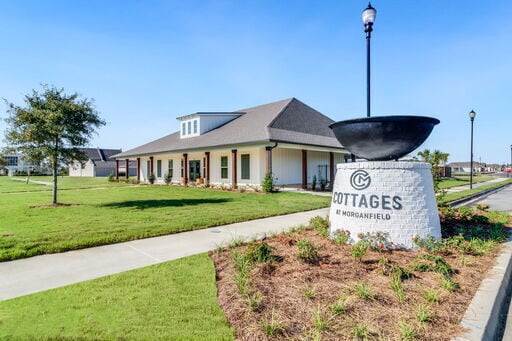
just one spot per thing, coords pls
(368, 19)
(472, 115)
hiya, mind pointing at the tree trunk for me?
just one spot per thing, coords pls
(54, 190)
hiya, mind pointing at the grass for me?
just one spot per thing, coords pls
(117, 214)
(18, 184)
(173, 300)
(469, 192)
(461, 181)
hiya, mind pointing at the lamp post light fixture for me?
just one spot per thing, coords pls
(368, 19)
(472, 115)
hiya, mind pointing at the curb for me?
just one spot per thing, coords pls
(477, 196)
(483, 316)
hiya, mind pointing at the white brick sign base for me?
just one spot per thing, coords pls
(396, 197)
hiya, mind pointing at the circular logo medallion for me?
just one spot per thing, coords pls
(360, 179)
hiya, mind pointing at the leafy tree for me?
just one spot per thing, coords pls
(435, 158)
(3, 162)
(53, 126)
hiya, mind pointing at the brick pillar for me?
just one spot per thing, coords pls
(304, 168)
(331, 168)
(207, 175)
(269, 160)
(117, 169)
(127, 162)
(185, 169)
(138, 169)
(233, 169)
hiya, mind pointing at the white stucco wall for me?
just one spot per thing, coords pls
(76, 169)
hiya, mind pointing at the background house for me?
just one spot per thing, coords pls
(287, 138)
(16, 164)
(465, 167)
(99, 163)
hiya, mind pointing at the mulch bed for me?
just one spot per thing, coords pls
(282, 285)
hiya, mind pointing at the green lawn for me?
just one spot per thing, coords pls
(469, 192)
(106, 216)
(175, 300)
(13, 184)
(455, 181)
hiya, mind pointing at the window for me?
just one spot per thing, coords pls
(182, 168)
(246, 166)
(189, 126)
(183, 129)
(11, 160)
(169, 168)
(223, 167)
(158, 168)
(148, 168)
(195, 126)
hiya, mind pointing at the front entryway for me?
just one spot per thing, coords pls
(194, 170)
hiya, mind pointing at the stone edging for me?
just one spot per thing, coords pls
(483, 315)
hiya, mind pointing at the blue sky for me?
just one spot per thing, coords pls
(147, 62)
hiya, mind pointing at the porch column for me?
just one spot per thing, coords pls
(185, 169)
(331, 168)
(269, 160)
(127, 162)
(138, 169)
(117, 169)
(233, 169)
(304, 168)
(151, 165)
(207, 175)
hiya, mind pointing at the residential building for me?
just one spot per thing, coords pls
(100, 163)
(286, 138)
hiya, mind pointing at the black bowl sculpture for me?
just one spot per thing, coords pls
(383, 138)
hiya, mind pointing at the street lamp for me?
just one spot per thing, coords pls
(472, 115)
(368, 19)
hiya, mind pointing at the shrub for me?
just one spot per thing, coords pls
(308, 252)
(323, 184)
(111, 178)
(341, 236)
(268, 183)
(260, 253)
(432, 263)
(359, 249)
(167, 179)
(428, 243)
(313, 183)
(378, 241)
(449, 285)
(152, 178)
(320, 224)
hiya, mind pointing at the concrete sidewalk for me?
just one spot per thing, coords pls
(30, 275)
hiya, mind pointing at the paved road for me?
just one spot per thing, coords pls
(502, 201)
(26, 276)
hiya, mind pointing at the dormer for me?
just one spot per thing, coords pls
(202, 122)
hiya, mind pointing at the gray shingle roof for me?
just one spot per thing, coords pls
(100, 154)
(289, 121)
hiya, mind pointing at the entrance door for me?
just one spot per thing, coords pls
(194, 167)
